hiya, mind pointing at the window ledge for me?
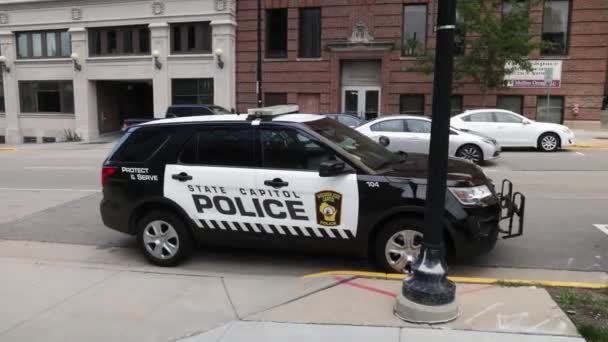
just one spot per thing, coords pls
(276, 59)
(191, 56)
(408, 58)
(554, 57)
(48, 115)
(311, 59)
(119, 58)
(43, 60)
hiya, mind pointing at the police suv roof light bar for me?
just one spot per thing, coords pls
(271, 111)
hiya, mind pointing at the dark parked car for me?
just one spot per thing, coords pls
(347, 119)
(178, 111)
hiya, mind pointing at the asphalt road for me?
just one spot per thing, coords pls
(51, 193)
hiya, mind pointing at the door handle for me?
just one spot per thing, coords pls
(276, 183)
(182, 177)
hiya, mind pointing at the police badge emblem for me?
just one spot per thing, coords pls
(329, 208)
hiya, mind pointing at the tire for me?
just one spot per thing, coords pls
(406, 237)
(548, 142)
(163, 238)
(471, 153)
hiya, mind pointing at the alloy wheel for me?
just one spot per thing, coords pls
(470, 153)
(549, 143)
(161, 240)
(402, 249)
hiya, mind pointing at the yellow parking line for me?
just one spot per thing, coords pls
(588, 147)
(466, 280)
(8, 149)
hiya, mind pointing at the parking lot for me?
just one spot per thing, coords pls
(51, 193)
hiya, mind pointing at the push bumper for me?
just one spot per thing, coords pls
(513, 208)
(479, 232)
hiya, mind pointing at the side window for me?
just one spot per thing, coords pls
(418, 126)
(389, 126)
(222, 146)
(200, 111)
(140, 145)
(506, 118)
(482, 117)
(289, 149)
(181, 111)
(348, 121)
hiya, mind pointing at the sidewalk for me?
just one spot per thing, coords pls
(590, 138)
(59, 292)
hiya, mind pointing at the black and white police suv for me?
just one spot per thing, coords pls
(289, 182)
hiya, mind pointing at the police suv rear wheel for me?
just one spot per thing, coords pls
(398, 244)
(163, 238)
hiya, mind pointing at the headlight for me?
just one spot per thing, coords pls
(471, 196)
(488, 141)
(566, 130)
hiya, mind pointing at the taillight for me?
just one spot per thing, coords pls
(106, 172)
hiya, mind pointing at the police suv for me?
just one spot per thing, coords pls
(290, 182)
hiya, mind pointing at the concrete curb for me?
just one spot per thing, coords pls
(467, 280)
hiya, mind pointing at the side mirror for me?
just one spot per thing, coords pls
(332, 168)
(526, 122)
(384, 141)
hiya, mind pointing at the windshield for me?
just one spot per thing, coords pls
(370, 153)
(219, 110)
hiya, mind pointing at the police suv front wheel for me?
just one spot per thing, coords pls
(163, 238)
(398, 244)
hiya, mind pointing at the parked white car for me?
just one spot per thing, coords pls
(413, 134)
(514, 130)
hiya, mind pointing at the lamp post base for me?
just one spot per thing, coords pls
(412, 312)
(428, 296)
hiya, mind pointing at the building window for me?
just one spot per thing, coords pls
(276, 33)
(192, 91)
(191, 38)
(456, 104)
(121, 40)
(43, 44)
(46, 96)
(411, 104)
(460, 34)
(556, 20)
(310, 33)
(513, 103)
(414, 29)
(551, 110)
(275, 99)
(509, 5)
(2, 105)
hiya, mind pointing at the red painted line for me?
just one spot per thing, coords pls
(477, 289)
(365, 287)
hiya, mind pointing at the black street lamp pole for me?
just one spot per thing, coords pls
(258, 82)
(428, 296)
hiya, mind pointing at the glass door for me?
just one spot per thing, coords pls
(363, 102)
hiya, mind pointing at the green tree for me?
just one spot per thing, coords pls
(498, 41)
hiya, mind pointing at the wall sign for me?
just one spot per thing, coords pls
(535, 78)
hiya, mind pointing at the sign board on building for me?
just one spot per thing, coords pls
(542, 70)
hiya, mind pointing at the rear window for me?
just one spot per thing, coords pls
(140, 145)
(222, 146)
(180, 111)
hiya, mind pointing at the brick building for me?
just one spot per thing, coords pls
(354, 56)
